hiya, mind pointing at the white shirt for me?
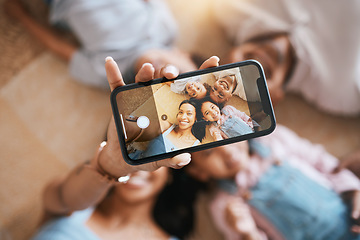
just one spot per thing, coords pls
(123, 29)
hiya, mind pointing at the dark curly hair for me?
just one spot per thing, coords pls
(199, 105)
(198, 129)
(174, 209)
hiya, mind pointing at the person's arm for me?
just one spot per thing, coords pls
(89, 183)
(83, 187)
(215, 132)
(351, 162)
(240, 220)
(45, 35)
(233, 218)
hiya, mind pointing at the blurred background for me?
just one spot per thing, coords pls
(50, 123)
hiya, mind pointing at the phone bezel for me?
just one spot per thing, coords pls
(265, 100)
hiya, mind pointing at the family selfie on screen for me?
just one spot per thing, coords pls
(205, 108)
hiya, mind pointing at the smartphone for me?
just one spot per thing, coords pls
(195, 111)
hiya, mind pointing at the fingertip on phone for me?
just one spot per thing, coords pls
(170, 69)
(149, 65)
(216, 57)
(187, 160)
(109, 58)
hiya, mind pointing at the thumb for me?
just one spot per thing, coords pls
(176, 162)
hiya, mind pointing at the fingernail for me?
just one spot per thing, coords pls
(147, 64)
(217, 58)
(109, 59)
(102, 144)
(181, 164)
(171, 69)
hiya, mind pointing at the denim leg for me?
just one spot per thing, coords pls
(299, 207)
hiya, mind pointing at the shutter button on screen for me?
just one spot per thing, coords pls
(143, 122)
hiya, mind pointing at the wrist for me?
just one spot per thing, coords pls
(104, 163)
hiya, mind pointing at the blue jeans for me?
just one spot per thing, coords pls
(234, 127)
(155, 147)
(299, 207)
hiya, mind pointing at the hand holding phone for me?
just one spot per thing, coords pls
(199, 110)
(111, 159)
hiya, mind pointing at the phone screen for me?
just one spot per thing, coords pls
(196, 111)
